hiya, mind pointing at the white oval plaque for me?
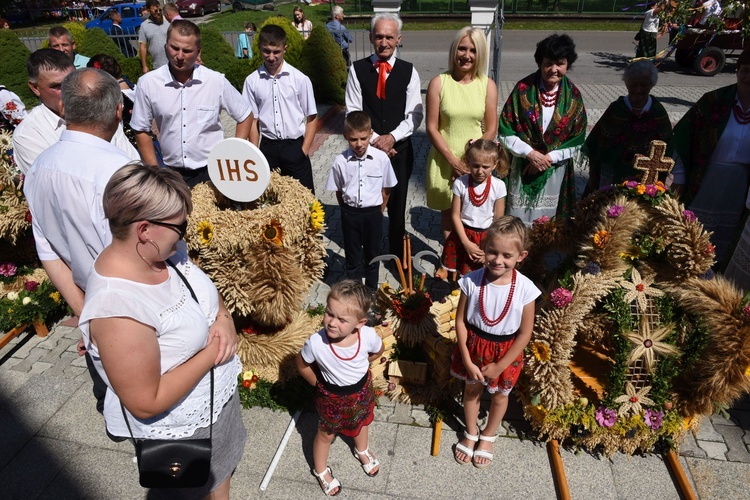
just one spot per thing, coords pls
(238, 169)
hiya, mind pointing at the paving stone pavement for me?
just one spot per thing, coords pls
(55, 359)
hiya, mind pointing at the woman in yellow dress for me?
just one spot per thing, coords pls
(461, 105)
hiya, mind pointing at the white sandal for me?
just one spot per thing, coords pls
(373, 462)
(325, 485)
(469, 452)
(483, 453)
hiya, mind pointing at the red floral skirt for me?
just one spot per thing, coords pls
(454, 256)
(345, 414)
(484, 352)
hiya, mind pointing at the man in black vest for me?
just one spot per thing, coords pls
(388, 90)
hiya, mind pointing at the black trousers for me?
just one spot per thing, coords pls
(403, 164)
(287, 156)
(363, 231)
(100, 388)
(193, 176)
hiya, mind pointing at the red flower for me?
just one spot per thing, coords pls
(564, 121)
(31, 286)
(10, 106)
(246, 384)
(522, 87)
(27, 217)
(557, 131)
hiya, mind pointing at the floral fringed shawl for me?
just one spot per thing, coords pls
(698, 132)
(522, 117)
(620, 134)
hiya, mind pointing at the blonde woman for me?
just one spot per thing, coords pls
(151, 340)
(461, 105)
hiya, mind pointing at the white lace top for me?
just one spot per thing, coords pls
(181, 326)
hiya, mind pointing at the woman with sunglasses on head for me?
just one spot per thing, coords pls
(154, 342)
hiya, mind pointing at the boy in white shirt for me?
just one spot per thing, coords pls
(362, 177)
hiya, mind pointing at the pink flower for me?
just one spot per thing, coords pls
(522, 87)
(31, 286)
(541, 221)
(615, 211)
(8, 269)
(391, 386)
(689, 215)
(653, 418)
(606, 417)
(561, 297)
(651, 190)
(631, 184)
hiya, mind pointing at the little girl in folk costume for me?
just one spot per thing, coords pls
(478, 198)
(494, 320)
(336, 360)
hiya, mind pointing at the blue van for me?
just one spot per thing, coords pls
(131, 18)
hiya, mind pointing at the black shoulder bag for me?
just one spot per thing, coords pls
(183, 463)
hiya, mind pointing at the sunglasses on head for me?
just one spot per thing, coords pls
(180, 228)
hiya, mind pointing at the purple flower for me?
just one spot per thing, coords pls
(615, 211)
(391, 386)
(8, 269)
(592, 268)
(31, 286)
(651, 190)
(689, 215)
(606, 417)
(631, 184)
(653, 418)
(708, 275)
(561, 297)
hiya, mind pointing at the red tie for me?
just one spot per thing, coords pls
(383, 69)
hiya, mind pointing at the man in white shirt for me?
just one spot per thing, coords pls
(65, 185)
(44, 124)
(185, 100)
(394, 103)
(284, 107)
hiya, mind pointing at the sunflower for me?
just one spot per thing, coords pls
(541, 351)
(205, 232)
(317, 215)
(649, 344)
(274, 233)
(638, 289)
(6, 141)
(633, 400)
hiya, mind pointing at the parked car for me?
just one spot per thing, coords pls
(239, 5)
(131, 18)
(198, 7)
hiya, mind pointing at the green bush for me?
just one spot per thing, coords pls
(218, 55)
(13, 75)
(95, 41)
(323, 63)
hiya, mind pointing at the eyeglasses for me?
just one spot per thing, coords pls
(180, 228)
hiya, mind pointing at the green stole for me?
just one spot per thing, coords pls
(698, 132)
(522, 116)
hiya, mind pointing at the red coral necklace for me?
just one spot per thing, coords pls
(485, 319)
(478, 199)
(359, 344)
(549, 98)
(742, 117)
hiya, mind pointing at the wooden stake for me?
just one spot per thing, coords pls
(437, 430)
(421, 282)
(404, 256)
(678, 474)
(558, 471)
(401, 274)
(409, 265)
